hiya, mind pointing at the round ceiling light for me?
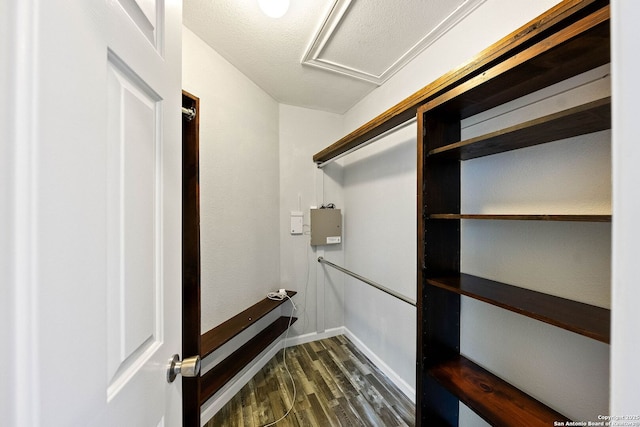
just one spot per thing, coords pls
(274, 8)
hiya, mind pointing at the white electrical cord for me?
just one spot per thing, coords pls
(280, 295)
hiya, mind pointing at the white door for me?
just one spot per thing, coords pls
(91, 224)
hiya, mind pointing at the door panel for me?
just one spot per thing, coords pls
(143, 213)
(133, 219)
(146, 15)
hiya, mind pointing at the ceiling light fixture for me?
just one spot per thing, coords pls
(274, 8)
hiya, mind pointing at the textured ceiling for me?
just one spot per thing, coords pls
(322, 54)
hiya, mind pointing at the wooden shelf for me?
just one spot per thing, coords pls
(584, 319)
(591, 117)
(518, 217)
(219, 375)
(496, 401)
(221, 334)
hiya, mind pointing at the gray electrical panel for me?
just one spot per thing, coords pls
(326, 227)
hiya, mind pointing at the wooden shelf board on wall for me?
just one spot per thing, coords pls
(524, 217)
(220, 335)
(583, 119)
(496, 401)
(584, 319)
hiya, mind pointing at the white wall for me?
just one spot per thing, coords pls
(13, 400)
(304, 132)
(239, 184)
(625, 340)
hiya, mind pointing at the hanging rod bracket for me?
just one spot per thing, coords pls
(189, 113)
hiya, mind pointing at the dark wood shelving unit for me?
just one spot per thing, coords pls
(215, 338)
(575, 44)
(523, 217)
(584, 319)
(495, 400)
(220, 374)
(221, 334)
(583, 119)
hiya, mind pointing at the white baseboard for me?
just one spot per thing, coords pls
(222, 397)
(408, 391)
(314, 336)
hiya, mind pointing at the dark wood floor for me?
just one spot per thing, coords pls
(336, 385)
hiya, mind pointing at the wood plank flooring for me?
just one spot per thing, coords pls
(336, 385)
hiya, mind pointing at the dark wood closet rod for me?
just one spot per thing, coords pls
(507, 46)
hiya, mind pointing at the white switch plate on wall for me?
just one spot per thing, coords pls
(296, 222)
